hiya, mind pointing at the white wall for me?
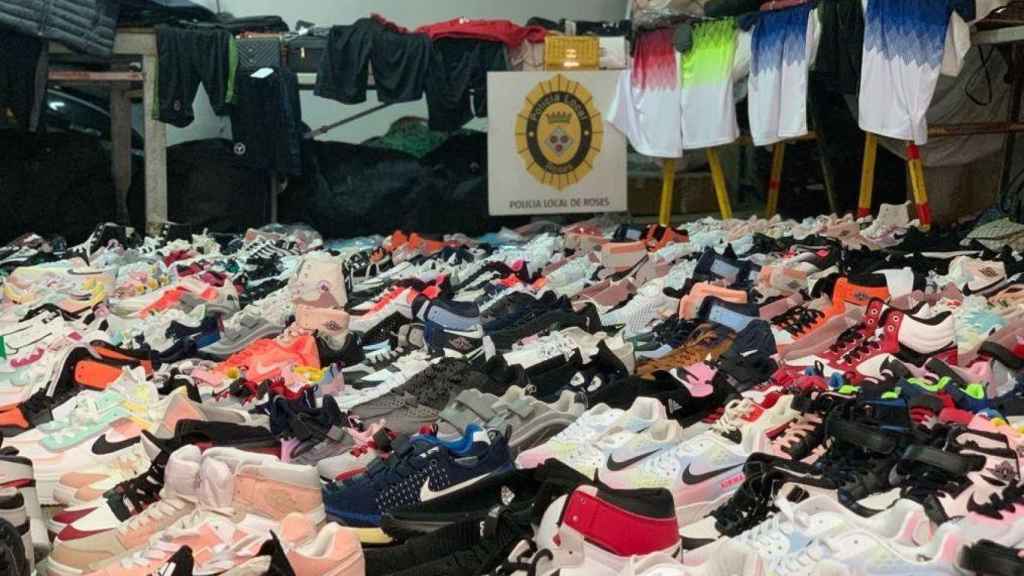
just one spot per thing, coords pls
(409, 13)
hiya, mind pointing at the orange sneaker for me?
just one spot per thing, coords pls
(845, 294)
(265, 359)
(657, 237)
(690, 304)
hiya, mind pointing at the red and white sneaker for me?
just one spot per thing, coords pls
(901, 336)
(847, 340)
(594, 532)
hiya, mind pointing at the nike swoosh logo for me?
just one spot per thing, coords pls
(614, 466)
(968, 292)
(102, 446)
(426, 494)
(692, 479)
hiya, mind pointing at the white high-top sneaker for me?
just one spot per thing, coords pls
(594, 532)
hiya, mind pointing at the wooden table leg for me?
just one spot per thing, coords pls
(156, 151)
(775, 180)
(867, 175)
(718, 179)
(924, 213)
(668, 186)
(121, 149)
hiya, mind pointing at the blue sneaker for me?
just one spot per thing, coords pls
(424, 469)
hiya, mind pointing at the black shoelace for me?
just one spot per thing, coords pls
(798, 319)
(1004, 501)
(143, 490)
(848, 337)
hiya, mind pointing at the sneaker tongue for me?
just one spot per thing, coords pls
(548, 529)
(216, 485)
(182, 474)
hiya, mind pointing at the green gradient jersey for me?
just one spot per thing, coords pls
(708, 108)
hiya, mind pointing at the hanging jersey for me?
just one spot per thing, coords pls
(784, 42)
(706, 92)
(646, 107)
(904, 43)
(903, 46)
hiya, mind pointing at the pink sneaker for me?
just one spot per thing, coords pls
(334, 551)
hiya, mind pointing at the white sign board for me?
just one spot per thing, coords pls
(550, 149)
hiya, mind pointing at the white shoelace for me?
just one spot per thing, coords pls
(732, 418)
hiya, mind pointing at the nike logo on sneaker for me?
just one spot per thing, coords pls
(427, 494)
(691, 479)
(617, 466)
(102, 446)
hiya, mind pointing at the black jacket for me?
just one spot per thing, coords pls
(87, 26)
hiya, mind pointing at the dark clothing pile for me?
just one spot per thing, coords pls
(452, 72)
(23, 76)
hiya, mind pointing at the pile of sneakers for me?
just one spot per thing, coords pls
(827, 397)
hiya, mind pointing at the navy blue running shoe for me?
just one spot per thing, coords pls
(425, 469)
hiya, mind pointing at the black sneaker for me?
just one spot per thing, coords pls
(991, 559)
(736, 272)
(748, 362)
(472, 503)
(511, 307)
(551, 321)
(181, 563)
(346, 354)
(477, 546)
(13, 558)
(386, 331)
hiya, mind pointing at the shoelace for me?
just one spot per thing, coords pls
(798, 320)
(798, 431)
(732, 418)
(1007, 501)
(139, 492)
(859, 351)
(848, 338)
(158, 509)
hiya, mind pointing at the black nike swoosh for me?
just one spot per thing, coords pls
(996, 284)
(102, 446)
(692, 479)
(616, 466)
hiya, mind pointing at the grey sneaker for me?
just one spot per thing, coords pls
(420, 400)
(263, 319)
(532, 422)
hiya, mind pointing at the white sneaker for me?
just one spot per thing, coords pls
(645, 414)
(592, 532)
(704, 471)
